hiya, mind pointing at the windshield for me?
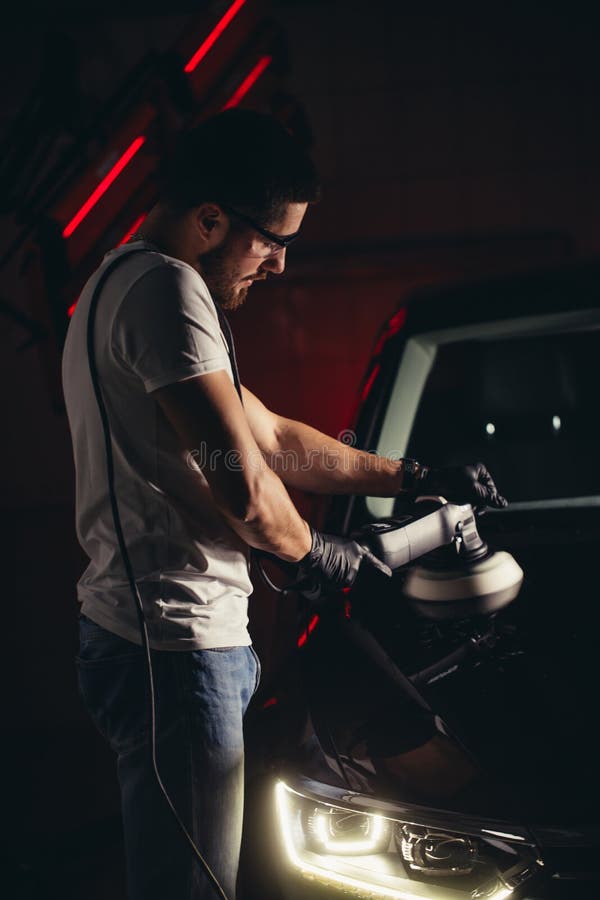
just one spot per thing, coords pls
(525, 404)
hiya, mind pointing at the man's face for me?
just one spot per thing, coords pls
(243, 257)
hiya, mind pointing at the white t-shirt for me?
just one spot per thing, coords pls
(156, 324)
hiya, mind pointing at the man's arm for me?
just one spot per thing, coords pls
(206, 410)
(305, 458)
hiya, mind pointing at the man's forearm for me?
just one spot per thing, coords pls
(308, 459)
(272, 522)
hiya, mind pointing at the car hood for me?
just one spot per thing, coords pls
(508, 731)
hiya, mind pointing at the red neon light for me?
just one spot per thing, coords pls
(71, 309)
(395, 325)
(272, 701)
(347, 603)
(213, 36)
(133, 229)
(103, 186)
(396, 322)
(311, 627)
(370, 380)
(248, 81)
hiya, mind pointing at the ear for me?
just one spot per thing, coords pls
(211, 223)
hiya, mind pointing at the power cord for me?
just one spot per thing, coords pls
(128, 567)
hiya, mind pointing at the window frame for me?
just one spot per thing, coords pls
(414, 366)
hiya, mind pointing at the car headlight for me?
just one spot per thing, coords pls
(407, 852)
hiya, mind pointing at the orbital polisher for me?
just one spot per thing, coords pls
(458, 575)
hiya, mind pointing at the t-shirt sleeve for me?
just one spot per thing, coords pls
(167, 328)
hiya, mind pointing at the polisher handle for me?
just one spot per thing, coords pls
(398, 543)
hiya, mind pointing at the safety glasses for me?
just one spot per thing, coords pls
(273, 243)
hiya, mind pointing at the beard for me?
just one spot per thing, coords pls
(222, 277)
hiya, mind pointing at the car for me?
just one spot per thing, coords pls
(409, 752)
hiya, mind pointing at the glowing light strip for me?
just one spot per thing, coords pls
(126, 237)
(104, 186)
(365, 846)
(133, 229)
(396, 322)
(512, 837)
(370, 381)
(311, 627)
(213, 36)
(395, 325)
(285, 814)
(248, 81)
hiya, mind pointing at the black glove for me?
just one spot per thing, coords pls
(462, 484)
(334, 561)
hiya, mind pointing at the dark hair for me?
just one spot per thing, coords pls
(242, 158)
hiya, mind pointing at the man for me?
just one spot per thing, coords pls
(196, 475)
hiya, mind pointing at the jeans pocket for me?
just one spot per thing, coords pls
(98, 643)
(115, 693)
(258, 669)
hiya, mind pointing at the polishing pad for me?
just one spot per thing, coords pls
(482, 587)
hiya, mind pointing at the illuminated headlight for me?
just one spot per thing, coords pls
(437, 852)
(344, 832)
(374, 848)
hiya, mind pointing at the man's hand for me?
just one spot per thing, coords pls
(462, 484)
(335, 561)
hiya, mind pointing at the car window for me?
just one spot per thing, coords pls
(526, 405)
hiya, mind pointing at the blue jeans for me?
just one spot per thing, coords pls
(201, 698)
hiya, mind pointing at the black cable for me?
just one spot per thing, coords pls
(128, 567)
(270, 584)
(224, 321)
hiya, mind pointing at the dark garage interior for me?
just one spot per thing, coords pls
(453, 142)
